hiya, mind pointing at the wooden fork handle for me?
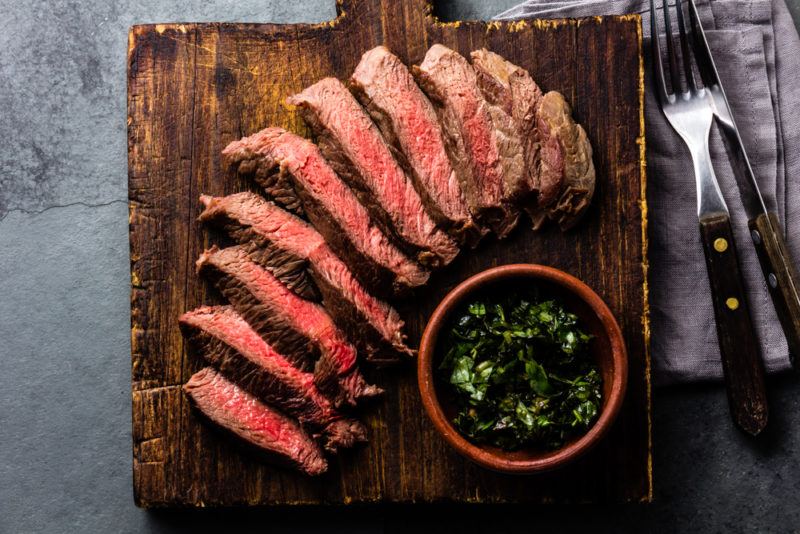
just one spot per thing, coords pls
(738, 344)
(781, 276)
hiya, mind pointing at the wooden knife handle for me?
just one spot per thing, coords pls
(741, 358)
(781, 275)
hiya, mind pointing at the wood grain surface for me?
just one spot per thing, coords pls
(783, 279)
(193, 88)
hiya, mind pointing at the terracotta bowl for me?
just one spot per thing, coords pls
(606, 346)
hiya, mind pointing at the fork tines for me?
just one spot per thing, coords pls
(697, 49)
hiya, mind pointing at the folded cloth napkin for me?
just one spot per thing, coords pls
(757, 49)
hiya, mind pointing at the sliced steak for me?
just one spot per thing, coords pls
(512, 89)
(296, 327)
(376, 327)
(284, 260)
(355, 149)
(254, 423)
(276, 181)
(482, 140)
(558, 153)
(228, 343)
(330, 205)
(555, 122)
(408, 122)
(551, 168)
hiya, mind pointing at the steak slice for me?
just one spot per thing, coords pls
(482, 140)
(254, 423)
(296, 327)
(330, 205)
(555, 122)
(355, 149)
(551, 167)
(228, 343)
(285, 256)
(512, 89)
(408, 122)
(375, 326)
(284, 260)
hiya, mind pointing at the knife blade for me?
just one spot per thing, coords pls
(766, 232)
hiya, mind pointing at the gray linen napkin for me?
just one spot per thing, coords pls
(757, 49)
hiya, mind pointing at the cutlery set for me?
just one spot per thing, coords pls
(691, 103)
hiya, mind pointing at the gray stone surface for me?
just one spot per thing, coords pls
(65, 462)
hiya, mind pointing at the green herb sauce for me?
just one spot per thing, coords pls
(521, 373)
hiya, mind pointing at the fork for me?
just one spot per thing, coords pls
(690, 111)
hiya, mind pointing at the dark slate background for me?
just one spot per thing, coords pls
(65, 452)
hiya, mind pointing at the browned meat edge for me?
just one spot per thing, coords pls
(268, 173)
(511, 88)
(306, 457)
(491, 205)
(336, 155)
(463, 228)
(338, 301)
(290, 269)
(271, 322)
(299, 400)
(579, 172)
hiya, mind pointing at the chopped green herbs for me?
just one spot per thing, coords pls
(521, 373)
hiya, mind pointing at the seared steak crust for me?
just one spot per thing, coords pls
(287, 264)
(353, 146)
(295, 327)
(331, 207)
(408, 122)
(228, 343)
(374, 326)
(558, 153)
(555, 117)
(482, 141)
(514, 91)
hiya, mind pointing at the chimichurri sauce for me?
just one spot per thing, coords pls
(521, 373)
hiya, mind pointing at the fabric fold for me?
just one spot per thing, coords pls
(757, 51)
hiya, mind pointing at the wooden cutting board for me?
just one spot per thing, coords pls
(193, 88)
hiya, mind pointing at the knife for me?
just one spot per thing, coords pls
(766, 233)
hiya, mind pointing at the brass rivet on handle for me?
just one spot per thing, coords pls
(732, 303)
(720, 244)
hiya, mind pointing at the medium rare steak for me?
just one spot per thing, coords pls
(408, 122)
(482, 140)
(228, 343)
(254, 423)
(374, 326)
(555, 122)
(284, 260)
(330, 205)
(356, 150)
(296, 327)
(286, 256)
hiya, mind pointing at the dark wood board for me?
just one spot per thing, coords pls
(193, 88)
